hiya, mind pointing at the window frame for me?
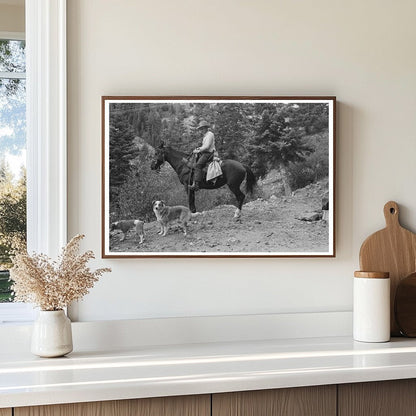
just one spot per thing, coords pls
(46, 125)
(46, 138)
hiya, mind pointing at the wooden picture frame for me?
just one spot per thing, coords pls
(281, 147)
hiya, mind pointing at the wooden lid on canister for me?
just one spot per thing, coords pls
(372, 275)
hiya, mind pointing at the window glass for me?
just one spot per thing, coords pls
(12, 156)
(12, 56)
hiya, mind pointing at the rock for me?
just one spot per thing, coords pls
(311, 216)
(232, 240)
(273, 198)
(257, 222)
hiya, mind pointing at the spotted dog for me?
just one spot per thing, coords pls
(126, 225)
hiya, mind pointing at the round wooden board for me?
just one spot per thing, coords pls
(405, 306)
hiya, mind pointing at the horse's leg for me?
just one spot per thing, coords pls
(191, 199)
(235, 189)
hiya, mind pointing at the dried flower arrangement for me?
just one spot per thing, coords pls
(53, 285)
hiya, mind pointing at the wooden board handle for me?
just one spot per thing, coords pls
(391, 214)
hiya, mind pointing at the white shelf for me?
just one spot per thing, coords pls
(151, 371)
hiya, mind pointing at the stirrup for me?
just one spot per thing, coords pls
(194, 186)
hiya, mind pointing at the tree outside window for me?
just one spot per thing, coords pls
(12, 156)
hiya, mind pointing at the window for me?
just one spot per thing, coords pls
(46, 135)
(12, 164)
(12, 154)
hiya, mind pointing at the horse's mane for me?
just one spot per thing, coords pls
(176, 152)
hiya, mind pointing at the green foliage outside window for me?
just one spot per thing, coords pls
(12, 155)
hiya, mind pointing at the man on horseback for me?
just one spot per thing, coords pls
(205, 153)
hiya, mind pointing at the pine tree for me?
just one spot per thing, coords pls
(189, 133)
(264, 148)
(275, 145)
(230, 130)
(122, 149)
(154, 127)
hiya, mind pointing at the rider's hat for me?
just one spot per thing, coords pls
(202, 124)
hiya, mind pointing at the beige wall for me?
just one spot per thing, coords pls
(361, 51)
(12, 18)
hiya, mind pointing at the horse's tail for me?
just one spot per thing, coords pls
(251, 180)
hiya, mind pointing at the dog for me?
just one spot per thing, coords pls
(165, 215)
(126, 225)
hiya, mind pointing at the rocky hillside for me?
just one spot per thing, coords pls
(272, 224)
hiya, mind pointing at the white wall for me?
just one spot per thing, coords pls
(361, 51)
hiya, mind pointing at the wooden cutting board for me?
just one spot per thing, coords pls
(393, 250)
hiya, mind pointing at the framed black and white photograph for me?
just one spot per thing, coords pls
(218, 176)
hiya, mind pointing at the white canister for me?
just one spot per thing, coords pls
(371, 322)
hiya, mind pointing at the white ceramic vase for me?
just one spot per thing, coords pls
(52, 334)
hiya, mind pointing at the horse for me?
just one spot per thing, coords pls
(233, 174)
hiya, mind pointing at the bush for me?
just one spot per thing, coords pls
(300, 176)
(315, 167)
(142, 187)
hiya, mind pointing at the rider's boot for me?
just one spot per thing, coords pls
(197, 180)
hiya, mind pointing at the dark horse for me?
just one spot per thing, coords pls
(233, 174)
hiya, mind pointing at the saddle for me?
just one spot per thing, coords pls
(193, 158)
(212, 169)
